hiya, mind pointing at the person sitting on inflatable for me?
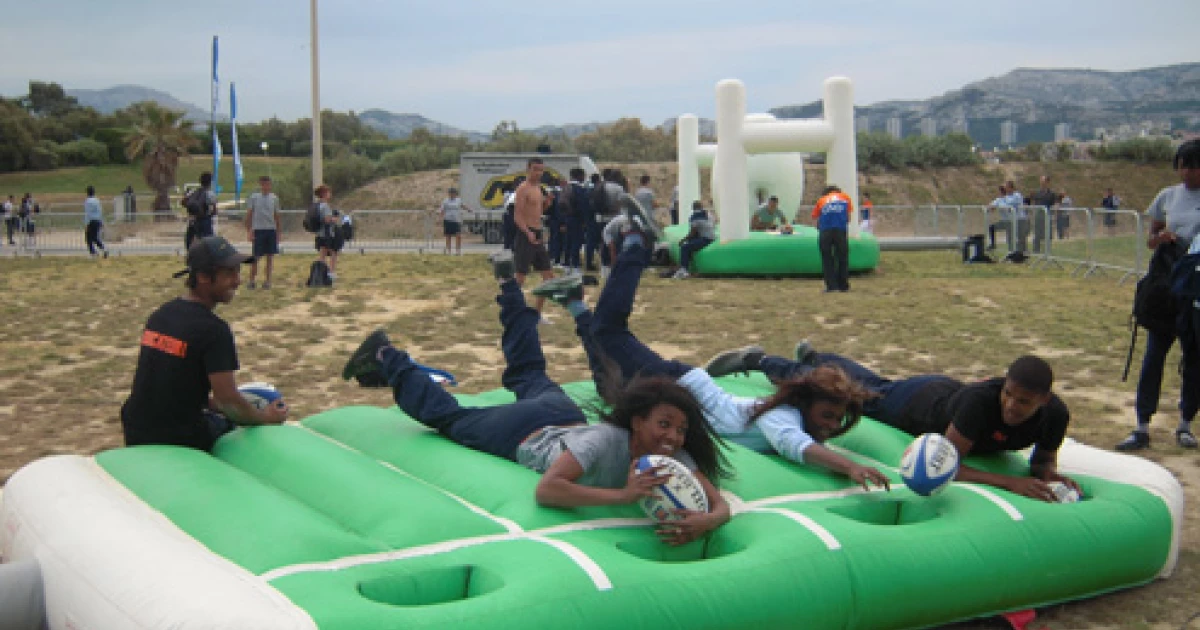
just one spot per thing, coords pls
(769, 217)
(794, 421)
(545, 430)
(1006, 413)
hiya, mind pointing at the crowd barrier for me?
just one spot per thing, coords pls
(1086, 241)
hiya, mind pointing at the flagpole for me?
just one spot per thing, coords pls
(237, 152)
(212, 121)
(318, 174)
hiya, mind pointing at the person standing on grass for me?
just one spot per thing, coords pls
(1044, 201)
(263, 229)
(1174, 220)
(529, 244)
(93, 220)
(451, 213)
(1062, 216)
(200, 224)
(184, 392)
(832, 215)
(9, 219)
(645, 195)
(1111, 203)
(327, 237)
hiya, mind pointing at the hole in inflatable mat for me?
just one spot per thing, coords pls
(711, 548)
(889, 512)
(442, 585)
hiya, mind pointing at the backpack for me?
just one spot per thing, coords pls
(312, 218)
(600, 201)
(580, 203)
(318, 275)
(1155, 308)
(196, 203)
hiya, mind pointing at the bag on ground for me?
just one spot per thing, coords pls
(318, 275)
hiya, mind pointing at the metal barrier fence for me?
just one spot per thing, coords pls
(1085, 240)
(57, 231)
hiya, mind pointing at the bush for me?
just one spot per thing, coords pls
(1140, 150)
(43, 157)
(83, 152)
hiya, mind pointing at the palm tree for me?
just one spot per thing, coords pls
(160, 138)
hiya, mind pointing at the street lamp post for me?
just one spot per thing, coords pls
(267, 156)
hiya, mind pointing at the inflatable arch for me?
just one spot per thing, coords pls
(756, 152)
(360, 518)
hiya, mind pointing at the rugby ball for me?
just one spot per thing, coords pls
(929, 464)
(681, 492)
(261, 395)
(1064, 493)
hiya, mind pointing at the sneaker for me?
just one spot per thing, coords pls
(366, 358)
(251, 285)
(681, 274)
(1184, 438)
(732, 361)
(590, 281)
(804, 353)
(503, 266)
(1136, 441)
(266, 285)
(561, 290)
(374, 378)
(641, 220)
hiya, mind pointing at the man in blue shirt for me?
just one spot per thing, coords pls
(93, 219)
(832, 214)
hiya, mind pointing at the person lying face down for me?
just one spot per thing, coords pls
(544, 430)
(1007, 413)
(793, 422)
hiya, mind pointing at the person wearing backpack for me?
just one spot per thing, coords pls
(325, 266)
(576, 223)
(1174, 219)
(201, 206)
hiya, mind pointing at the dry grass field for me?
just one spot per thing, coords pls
(70, 330)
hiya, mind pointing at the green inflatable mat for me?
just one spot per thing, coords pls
(366, 520)
(771, 254)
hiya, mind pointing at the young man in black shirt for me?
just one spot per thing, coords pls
(1006, 413)
(188, 353)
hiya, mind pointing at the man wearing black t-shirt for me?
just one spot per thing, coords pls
(1006, 413)
(187, 352)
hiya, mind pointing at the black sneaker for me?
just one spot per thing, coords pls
(733, 361)
(374, 378)
(561, 290)
(1137, 440)
(365, 358)
(804, 353)
(641, 220)
(503, 266)
(590, 281)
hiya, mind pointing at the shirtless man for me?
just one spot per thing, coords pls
(529, 246)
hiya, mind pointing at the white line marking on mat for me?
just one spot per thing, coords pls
(830, 541)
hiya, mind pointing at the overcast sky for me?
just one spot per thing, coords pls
(473, 63)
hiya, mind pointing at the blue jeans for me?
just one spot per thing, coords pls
(573, 243)
(1150, 381)
(892, 396)
(605, 333)
(497, 430)
(688, 247)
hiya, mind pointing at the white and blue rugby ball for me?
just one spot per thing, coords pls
(681, 492)
(929, 464)
(260, 395)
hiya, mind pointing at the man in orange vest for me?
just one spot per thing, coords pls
(832, 214)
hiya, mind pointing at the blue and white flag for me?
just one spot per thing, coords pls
(237, 154)
(212, 124)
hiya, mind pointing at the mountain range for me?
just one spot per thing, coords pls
(1090, 102)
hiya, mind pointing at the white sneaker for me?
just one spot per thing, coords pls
(681, 274)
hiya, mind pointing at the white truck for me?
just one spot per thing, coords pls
(484, 176)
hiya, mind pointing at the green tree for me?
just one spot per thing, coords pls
(161, 138)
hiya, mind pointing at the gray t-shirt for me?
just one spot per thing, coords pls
(645, 197)
(452, 209)
(1180, 208)
(601, 449)
(327, 229)
(262, 209)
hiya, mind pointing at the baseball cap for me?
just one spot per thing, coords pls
(212, 252)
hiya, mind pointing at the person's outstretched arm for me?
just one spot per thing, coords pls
(558, 487)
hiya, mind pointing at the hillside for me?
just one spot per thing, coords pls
(1119, 103)
(111, 99)
(1084, 181)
